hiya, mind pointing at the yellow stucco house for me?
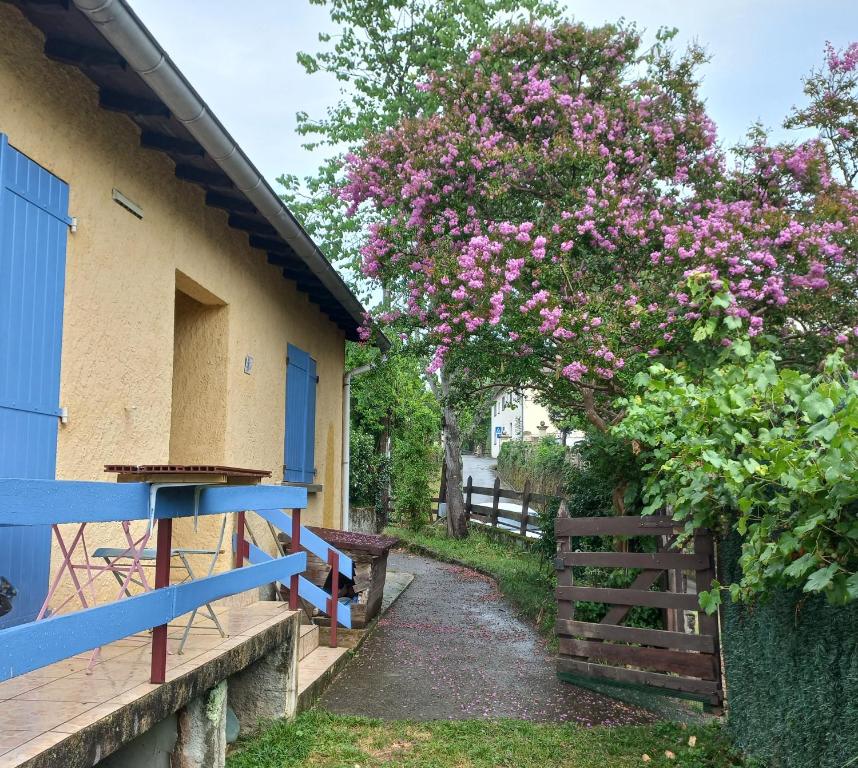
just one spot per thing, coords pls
(158, 302)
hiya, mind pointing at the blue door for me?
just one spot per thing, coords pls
(33, 229)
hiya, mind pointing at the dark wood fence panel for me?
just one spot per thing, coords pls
(659, 638)
(630, 525)
(526, 518)
(646, 560)
(631, 597)
(709, 690)
(700, 665)
(683, 663)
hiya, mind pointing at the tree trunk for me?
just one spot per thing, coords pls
(383, 448)
(457, 522)
(618, 495)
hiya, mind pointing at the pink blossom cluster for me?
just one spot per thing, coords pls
(842, 61)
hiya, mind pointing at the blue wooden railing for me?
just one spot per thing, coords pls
(303, 538)
(27, 647)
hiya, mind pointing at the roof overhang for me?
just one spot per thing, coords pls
(111, 46)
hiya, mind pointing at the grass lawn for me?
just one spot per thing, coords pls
(525, 580)
(322, 740)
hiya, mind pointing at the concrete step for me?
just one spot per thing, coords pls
(309, 640)
(318, 668)
(316, 671)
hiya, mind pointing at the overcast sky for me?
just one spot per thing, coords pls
(241, 58)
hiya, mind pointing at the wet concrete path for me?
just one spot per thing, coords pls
(452, 648)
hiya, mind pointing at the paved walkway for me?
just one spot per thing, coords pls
(451, 648)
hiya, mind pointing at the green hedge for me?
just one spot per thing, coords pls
(791, 666)
(546, 464)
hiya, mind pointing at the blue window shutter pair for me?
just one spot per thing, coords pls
(299, 465)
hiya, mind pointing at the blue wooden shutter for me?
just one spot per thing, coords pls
(33, 231)
(300, 441)
(310, 427)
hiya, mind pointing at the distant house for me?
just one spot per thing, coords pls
(518, 416)
(158, 302)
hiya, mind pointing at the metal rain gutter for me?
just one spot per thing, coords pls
(347, 441)
(121, 27)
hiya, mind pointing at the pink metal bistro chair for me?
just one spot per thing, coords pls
(128, 566)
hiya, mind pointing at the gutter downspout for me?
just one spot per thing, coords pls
(347, 438)
(121, 27)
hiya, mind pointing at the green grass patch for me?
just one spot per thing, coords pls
(323, 740)
(524, 578)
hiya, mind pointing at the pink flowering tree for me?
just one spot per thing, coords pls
(551, 212)
(515, 219)
(565, 216)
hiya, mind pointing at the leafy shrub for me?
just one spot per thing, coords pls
(603, 477)
(475, 421)
(768, 452)
(415, 476)
(545, 464)
(587, 476)
(391, 401)
(366, 470)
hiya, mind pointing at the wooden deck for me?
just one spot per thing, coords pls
(45, 712)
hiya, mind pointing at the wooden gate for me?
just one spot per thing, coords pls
(678, 659)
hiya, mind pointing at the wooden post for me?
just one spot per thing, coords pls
(525, 507)
(468, 493)
(708, 624)
(565, 608)
(239, 540)
(495, 502)
(674, 618)
(334, 560)
(662, 585)
(294, 546)
(158, 672)
(385, 450)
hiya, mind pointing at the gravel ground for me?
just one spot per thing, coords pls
(451, 648)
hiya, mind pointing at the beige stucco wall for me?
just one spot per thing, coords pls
(117, 362)
(534, 414)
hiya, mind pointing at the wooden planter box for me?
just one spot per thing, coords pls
(369, 553)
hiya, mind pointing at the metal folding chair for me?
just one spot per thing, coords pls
(113, 557)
